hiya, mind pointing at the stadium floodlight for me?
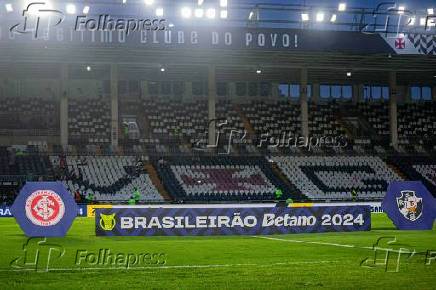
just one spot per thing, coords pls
(210, 13)
(148, 2)
(171, 25)
(430, 11)
(85, 9)
(124, 1)
(320, 17)
(223, 14)
(186, 12)
(198, 12)
(159, 12)
(258, 71)
(162, 69)
(342, 7)
(349, 74)
(71, 8)
(9, 7)
(200, 2)
(401, 9)
(412, 21)
(333, 18)
(305, 16)
(88, 68)
(223, 3)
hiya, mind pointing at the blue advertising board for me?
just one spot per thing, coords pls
(44, 209)
(410, 205)
(131, 221)
(5, 211)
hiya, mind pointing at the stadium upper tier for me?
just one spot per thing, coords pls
(166, 127)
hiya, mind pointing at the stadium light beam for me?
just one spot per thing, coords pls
(186, 12)
(159, 12)
(85, 9)
(71, 8)
(9, 7)
(333, 18)
(319, 17)
(305, 16)
(210, 13)
(342, 7)
(199, 13)
(223, 14)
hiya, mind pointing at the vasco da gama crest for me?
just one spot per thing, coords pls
(410, 205)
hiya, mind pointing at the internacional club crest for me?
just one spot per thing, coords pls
(410, 205)
(44, 209)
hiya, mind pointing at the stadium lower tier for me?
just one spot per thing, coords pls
(215, 179)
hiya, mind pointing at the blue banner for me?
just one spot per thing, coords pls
(410, 205)
(230, 221)
(5, 211)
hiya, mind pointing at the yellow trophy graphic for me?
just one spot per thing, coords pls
(107, 221)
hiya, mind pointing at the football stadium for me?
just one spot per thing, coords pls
(217, 144)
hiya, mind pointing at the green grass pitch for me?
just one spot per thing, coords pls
(309, 261)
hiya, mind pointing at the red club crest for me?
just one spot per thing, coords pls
(44, 208)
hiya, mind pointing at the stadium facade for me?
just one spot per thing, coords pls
(181, 113)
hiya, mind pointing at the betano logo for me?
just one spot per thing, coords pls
(107, 221)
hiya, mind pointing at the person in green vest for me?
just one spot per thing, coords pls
(90, 198)
(136, 194)
(289, 201)
(278, 193)
(131, 201)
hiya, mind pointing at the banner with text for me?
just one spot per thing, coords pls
(229, 221)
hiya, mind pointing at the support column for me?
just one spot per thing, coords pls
(356, 94)
(63, 110)
(114, 105)
(275, 90)
(144, 87)
(303, 103)
(232, 89)
(187, 94)
(315, 93)
(434, 93)
(211, 104)
(393, 108)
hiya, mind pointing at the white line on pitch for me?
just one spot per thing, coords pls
(175, 266)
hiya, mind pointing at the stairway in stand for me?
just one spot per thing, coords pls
(156, 181)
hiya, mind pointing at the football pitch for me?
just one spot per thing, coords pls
(310, 261)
